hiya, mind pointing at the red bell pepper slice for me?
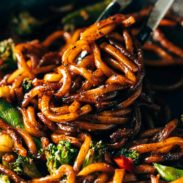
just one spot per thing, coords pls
(124, 163)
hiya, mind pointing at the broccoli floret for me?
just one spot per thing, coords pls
(96, 153)
(134, 155)
(7, 57)
(4, 179)
(27, 84)
(24, 23)
(56, 155)
(24, 166)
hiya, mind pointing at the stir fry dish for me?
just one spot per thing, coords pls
(76, 107)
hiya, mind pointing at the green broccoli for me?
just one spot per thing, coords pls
(56, 155)
(134, 155)
(27, 84)
(23, 166)
(24, 24)
(96, 153)
(7, 57)
(4, 178)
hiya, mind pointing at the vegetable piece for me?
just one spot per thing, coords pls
(134, 155)
(6, 143)
(95, 154)
(124, 163)
(24, 23)
(62, 153)
(85, 16)
(4, 179)
(10, 114)
(13, 117)
(168, 173)
(24, 166)
(27, 84)
(7, 58)
(126, 159)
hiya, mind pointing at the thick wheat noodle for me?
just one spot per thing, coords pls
(91, 35)
(60, 110)
(128, 42)
(108, 119)
(88, 75)
(18, 81)
(117, 112)
(144, 148)
(28, 140)
(144, 168)
(168, 129)
(168, 23)
(114, 52)
(142, 13)
(150, 132)
(115, 36)
(19, 93)
(82, 152)
(63, 170)
(33, 122)
(119, 56)
(165, 149)
(162, 63)
(99, 29)
(66, 128)
(21, 60)
(154, 159)
(118, 79)
(87, 61)
(66, 81)
(99, 63)
(96, 167)
(52, 77)
(102, 178)
(44, 69)
(115, 64)
(31, 94)
(86, 125)
(159, 51)
(28, 126)
(14, 75)
(63, 117)
(45, 108)
(159, 36)
(74, 107)
(123, 50)
(131, 99)
(18, 146)
(72, 52)
(130, 177)
(54, 36)
(94, 94)
(32, 117)
(49, 124)
(76, 35)
(118, 176)
(58, 137)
